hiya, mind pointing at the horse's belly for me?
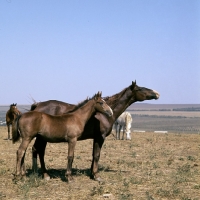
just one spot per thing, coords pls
(54, 137)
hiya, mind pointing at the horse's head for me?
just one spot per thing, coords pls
(14, 110)
(142, 93)
(101, 105)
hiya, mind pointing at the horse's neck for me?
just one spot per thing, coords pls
(123, 102)
(11, 113)
(85, 111)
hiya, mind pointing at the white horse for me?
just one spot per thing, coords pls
(124, 121)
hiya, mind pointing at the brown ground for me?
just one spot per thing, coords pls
(151, 166)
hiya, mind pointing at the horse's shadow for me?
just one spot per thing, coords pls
(60, 173)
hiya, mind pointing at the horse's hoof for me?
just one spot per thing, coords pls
(70, 179)
(99, 179)
(46, 177)
(16, 178)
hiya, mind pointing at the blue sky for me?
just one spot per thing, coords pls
(68, 50)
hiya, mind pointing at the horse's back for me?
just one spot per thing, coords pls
(30, 118)
(52, 107)
(34, 121)
(122, 118)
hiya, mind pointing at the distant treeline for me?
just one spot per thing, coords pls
(159, 116)
(192, 109)
(149, 109)
(187, 109)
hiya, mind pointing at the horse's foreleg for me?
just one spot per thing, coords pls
(123, 133)
(118, 132)
(8, 125)
(71, 147)
(116, 129)
(120, 128)
(97, 144)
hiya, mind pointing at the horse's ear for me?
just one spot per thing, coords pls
(133, 84)
(95, 96)
(99, 94)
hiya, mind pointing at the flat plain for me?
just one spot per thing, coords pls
(150, 166)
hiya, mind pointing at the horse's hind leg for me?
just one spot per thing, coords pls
(35, 150)
(41, 153)
(20, 166)
(34, 159)
(39, 148)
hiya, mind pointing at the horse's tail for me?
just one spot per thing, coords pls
(15, 129)
(34, 106)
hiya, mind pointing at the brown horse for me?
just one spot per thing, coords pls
(98, 127)
(60, 128)
(10, 116)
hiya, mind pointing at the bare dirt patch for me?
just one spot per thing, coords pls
(150, 166)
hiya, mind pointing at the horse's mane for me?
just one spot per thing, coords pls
(80, 104)
(112, 101)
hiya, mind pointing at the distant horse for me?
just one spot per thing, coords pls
(98, 127)
(61, 128)
(10, 116)
(123, 122)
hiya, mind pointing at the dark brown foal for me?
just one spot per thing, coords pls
(11, 114)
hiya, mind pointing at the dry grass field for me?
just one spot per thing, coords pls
(150, 166)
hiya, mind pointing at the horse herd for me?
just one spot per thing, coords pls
(55, 121)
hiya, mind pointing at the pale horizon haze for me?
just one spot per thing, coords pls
(70, 50)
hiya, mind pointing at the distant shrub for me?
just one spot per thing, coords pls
(187, 109)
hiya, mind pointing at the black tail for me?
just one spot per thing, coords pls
(34, 106)
(15, 130)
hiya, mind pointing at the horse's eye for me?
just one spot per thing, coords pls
(101, 103)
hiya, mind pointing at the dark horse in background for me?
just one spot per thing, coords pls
(55, 128)
(11, 114)
(98, 126)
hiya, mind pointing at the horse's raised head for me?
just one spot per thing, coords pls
(14, 110)
(101, 105)
(142, 93)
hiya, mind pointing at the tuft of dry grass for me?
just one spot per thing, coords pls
(150, 166)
